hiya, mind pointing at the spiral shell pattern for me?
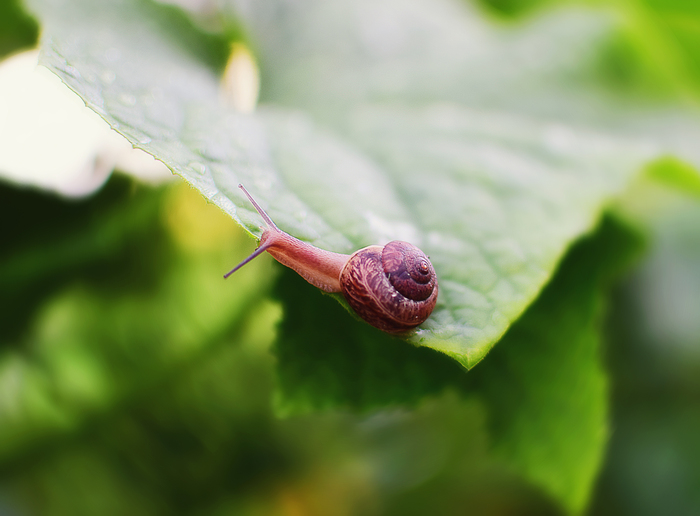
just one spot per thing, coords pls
(393, 288)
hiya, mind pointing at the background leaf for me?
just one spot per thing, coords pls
(545, 383)
(654, 363)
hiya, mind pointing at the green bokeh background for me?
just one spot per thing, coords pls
(133, 380)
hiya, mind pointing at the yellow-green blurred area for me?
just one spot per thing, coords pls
(135, 380)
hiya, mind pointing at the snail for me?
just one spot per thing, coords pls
(393, 288)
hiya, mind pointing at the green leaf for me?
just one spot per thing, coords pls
(491, 149)
(545, 384)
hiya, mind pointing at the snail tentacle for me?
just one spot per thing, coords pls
(318, 267)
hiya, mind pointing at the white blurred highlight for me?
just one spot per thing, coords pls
(50, 140)
(240, 83)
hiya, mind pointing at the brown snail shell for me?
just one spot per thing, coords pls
(393, 288)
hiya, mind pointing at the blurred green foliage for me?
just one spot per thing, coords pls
(656, 52)
(17, 29)
(80, 341)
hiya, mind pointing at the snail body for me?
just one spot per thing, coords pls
(393, 288)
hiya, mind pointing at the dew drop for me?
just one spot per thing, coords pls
(198, 167)
(127, 100)
(112, 54)
(108, 76)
